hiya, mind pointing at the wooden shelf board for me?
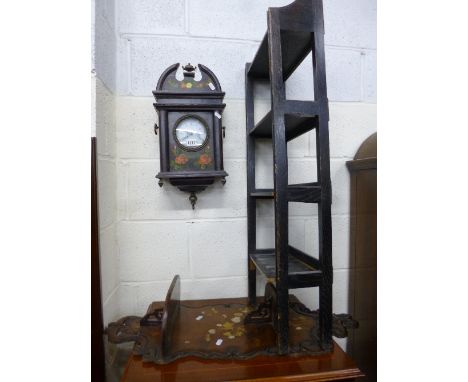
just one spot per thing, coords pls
(299, 271)
(295, 124)
(304, 193)
(295, 46)
(263, 193)
(301, 193)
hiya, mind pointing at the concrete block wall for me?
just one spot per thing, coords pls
(104, 68)
(157, 233)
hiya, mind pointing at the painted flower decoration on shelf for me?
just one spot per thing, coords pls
(204, 161)
(181, 159)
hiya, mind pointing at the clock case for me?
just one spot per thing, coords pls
(176, 100)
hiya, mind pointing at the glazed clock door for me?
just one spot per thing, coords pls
(191, 133)
(191, 141)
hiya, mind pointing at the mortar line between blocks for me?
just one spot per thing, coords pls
(186, 220)
(355, 48)
(147, 282)
(229, 39)
(106, 157)
(265, 100)
(219, 219)
(184, 36)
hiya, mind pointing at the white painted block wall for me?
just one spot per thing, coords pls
(157, 234)
(103, 76)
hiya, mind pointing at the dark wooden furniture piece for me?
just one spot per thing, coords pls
(335, 366)
(190, 128)
(219, 328)
(293, 32)
(97, 325)
(362, 343)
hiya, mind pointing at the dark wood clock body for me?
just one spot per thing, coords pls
(190, 169)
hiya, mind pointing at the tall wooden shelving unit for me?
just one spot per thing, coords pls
(293, 32)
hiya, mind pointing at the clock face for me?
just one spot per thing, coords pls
(191, 133)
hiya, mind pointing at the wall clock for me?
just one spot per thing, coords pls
(189, 105)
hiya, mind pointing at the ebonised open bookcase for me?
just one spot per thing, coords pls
(293, 32)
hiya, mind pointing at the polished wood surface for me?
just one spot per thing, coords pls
(336, 366)
(217, 329)
(362, 343)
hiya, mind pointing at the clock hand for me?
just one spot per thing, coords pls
(196, 132)
(186, 136)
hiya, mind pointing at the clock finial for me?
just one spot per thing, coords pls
(189, 70)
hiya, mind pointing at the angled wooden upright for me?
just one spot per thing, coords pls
(293, 32)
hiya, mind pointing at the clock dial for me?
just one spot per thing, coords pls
(191, 133)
